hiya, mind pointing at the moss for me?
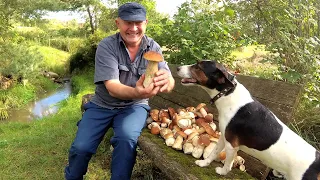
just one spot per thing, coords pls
(187, 162)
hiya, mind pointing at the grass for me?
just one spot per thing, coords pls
(39, 150)
(54, 60)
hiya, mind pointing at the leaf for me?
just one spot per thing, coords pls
(291, 76)
(230, 12)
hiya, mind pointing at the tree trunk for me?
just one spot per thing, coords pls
(90, 20)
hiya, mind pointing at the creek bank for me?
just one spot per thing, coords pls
(46, 104)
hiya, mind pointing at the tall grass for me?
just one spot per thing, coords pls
(54, 60)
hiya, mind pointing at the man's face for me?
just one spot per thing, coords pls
(131, 31)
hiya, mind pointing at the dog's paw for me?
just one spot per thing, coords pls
(221, 171)
(202, 163)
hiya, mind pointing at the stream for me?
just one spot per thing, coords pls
(45, 105)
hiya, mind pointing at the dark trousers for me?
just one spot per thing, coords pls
(127, 124)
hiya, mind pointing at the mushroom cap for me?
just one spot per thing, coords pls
(191, 109)
(154, 113)
(201, 105)
(209, 118)
(155, 130)
(204, 140)
(171, 111)
(222, 155)
(153, 56)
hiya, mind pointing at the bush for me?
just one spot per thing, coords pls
(199, 31)
(31, 33)
(84, 57)
(19, 61)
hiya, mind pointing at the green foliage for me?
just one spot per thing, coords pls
(12, 11)
(199, 31)
(20, 95)
(30, 33)
(60, 37)
(54, 60)
(84, 57)
(20, 61)
(65, 44)
(3, 105)
(291, 29)
(82, 81)
(43, 84)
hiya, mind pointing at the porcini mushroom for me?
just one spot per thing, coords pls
(207, 150)
(155, 128)
(169, 139)
(154, 114)
(201, 123)
(188, 147)
(164, 131)
(179, 135)
(222, 155)
(200, 108)
(200, 144)
(153, 58)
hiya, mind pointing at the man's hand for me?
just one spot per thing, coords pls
(163, 80)
(147, 92)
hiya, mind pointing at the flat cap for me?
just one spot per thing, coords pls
(132, 11)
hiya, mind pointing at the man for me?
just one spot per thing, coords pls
(120, 100)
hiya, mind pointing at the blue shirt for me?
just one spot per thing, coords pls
(112, 61)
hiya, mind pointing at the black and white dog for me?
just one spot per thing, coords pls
(247, 125)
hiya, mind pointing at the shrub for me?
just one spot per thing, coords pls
(19, 61)
(84, 57)
(199, 31)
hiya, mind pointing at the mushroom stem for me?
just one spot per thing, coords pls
(152, 68)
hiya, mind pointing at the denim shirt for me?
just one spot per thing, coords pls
(112, 61)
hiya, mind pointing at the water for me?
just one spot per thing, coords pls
(46, 105)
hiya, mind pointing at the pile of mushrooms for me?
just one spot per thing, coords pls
(190, 130)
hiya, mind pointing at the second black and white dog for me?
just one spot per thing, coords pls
(247, 125)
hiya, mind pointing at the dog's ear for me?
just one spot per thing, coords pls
(224, 72)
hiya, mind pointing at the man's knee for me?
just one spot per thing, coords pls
(82, 148)
(128, 142)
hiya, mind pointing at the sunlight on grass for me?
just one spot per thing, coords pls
(54, 60)
(248, 51)
(249, 61)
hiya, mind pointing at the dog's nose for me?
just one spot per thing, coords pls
(178, 68)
